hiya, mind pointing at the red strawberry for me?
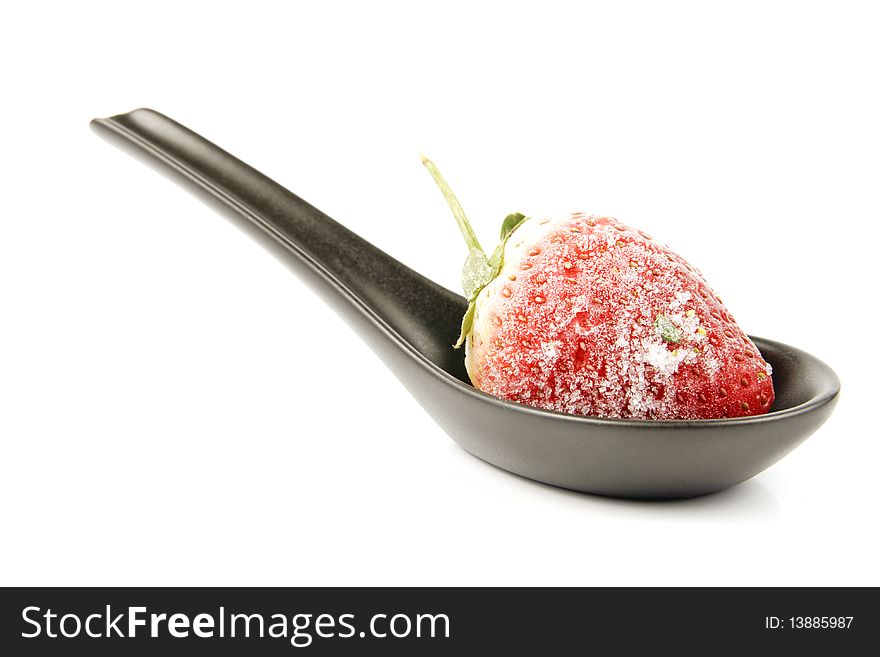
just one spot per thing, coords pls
(586, 315)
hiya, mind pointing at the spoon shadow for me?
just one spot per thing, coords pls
(751, 499)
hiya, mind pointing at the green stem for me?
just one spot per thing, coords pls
(463, 224)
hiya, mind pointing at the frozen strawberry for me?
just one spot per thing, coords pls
(586, 315)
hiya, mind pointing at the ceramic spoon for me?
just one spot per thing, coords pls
(412, 322)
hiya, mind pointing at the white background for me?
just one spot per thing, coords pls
(177, 408)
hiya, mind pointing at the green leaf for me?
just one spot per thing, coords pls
(668, 330)
(475, 274)
(511, 223)
(467, 324)
(479, 271)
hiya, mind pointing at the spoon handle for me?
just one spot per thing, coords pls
(398, 297)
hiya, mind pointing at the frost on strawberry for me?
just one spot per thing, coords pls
(585, 315)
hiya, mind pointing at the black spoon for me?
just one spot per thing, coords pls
(412, 323)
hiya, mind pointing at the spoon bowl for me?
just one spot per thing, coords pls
(412, 322)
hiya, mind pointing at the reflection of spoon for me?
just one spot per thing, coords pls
(412, 322)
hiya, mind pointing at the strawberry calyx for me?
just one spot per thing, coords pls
(479, 269)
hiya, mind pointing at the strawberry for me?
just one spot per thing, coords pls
(586, 315)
